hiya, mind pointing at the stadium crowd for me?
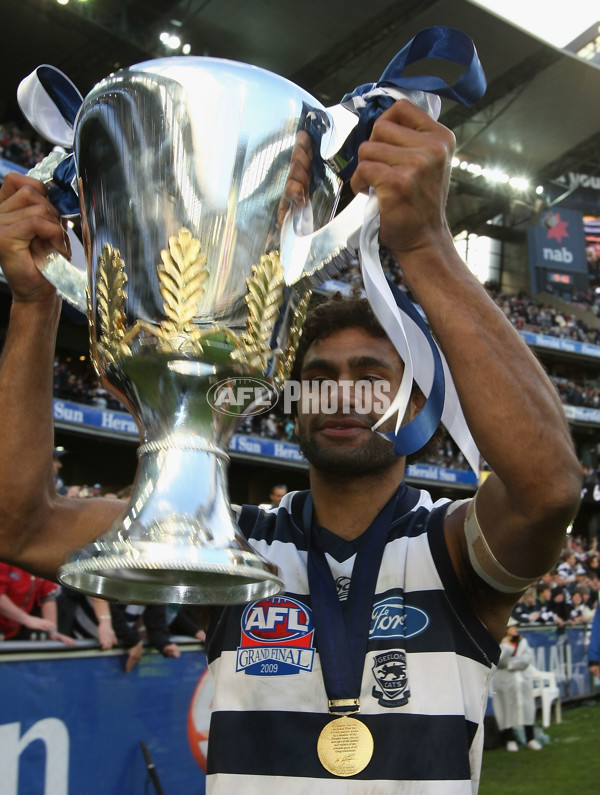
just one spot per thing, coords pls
(21, 148)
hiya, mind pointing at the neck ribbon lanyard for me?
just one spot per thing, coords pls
(342, 631)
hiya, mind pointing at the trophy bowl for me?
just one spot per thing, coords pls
(182, 165)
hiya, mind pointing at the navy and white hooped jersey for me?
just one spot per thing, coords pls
(425, 676)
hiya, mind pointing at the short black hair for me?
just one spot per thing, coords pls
(334, 314)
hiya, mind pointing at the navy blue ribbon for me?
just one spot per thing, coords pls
(440, 42)
(342, 630)
(64, 95)
(68, 101)
(416, 433)
(60, 190)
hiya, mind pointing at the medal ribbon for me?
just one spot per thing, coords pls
(342, 630)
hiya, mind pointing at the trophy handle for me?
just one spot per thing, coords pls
(308, 255)
(70, 281)
(69, 277)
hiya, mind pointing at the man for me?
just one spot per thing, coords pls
(57, 463)
(28, 607)
(594, 647)
(125, 621)
(449, 576)
(277, 493)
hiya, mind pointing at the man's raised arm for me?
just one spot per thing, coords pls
(37, 528)
(510, 405)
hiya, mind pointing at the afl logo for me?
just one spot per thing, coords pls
(242, 396)
(279, 619)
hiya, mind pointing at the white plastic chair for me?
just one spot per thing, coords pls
(545, 688)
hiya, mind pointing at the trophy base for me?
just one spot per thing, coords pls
(152, 577)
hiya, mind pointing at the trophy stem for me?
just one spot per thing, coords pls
(178, 542)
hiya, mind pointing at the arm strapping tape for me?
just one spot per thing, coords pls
(482, 558)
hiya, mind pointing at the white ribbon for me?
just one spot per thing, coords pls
(40, 109)
(409, 341)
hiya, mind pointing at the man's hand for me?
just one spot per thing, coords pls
(298, 181)
(30, 229)
(106, 635)
(66, 639)
(135, 655)
(407, 160)
(39, 624)
(595, 669)
(171, 650)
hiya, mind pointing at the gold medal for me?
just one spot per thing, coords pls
(345, 746)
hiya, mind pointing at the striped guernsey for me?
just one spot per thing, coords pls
(425, 676)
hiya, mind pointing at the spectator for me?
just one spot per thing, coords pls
(21, 596)
(126, 623)
(545, 606)
(512, 690)
(21, 148)
(58, 481)
(526, 611)
(189, 620)
(278, 491)
(592, 564)
(567, 567)
(86, 617)
(579, 612)
(560, 604)
(594, 647)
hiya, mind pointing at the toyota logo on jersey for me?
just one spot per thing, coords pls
(276, 638)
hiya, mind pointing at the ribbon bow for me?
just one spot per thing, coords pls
(50, 102)
(369, 100)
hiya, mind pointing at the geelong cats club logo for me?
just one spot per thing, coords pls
(389, 670)
(276, 638)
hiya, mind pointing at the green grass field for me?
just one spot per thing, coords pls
(569, 765)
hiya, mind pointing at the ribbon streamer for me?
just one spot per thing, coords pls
(423, 360)
(369, 100)
(422, 357)
(50, 102)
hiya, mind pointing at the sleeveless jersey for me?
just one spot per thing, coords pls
(425, 676)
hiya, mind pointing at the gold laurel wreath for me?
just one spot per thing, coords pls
(110, 299)
(263, 299)
(286, 360)
(182, 275)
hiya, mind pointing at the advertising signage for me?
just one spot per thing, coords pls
(557, 252)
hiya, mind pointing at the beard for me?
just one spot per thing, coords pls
(375, 455)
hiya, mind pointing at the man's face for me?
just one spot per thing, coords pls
(276, 496)
(341, 442)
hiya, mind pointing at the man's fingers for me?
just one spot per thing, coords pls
(13, 182)
(32, 229)
(406, 114)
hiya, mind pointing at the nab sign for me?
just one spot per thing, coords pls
(557, 256)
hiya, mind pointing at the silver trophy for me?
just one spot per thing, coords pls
(200, 270)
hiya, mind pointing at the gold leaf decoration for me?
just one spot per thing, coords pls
(182, 276)
(263, 299)
(110, 299)
(286, 361)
